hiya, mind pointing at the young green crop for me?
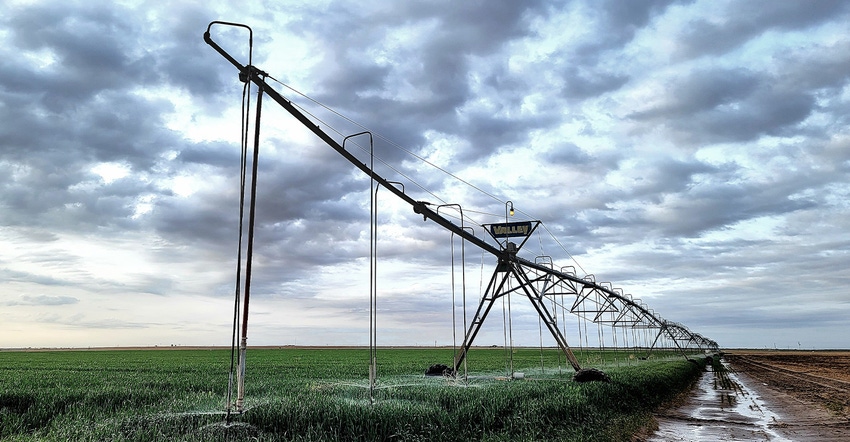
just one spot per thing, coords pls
(307, 394)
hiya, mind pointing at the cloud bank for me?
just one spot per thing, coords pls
(694, 153)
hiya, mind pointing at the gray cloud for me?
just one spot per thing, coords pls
(743, 22)
(722, 105)
(587, 83)
(724, 185)
(616, 23)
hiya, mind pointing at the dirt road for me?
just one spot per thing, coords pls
(810, 390)
(768, 396)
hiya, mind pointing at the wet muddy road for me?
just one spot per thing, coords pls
(721, 408)
(732, 406)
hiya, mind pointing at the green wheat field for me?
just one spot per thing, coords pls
(301, 394)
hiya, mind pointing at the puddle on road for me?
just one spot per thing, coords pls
(722, 408)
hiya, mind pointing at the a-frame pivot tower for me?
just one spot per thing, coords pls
(508, 277)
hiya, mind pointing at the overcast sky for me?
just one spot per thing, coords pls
(695, 154)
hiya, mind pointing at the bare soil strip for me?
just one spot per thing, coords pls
(821, 379)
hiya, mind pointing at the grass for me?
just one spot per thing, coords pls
(323, 395)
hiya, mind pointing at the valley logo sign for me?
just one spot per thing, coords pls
(510, 230)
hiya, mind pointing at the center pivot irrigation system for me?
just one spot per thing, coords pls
(548, 288)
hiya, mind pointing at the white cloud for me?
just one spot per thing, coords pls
(693, 154)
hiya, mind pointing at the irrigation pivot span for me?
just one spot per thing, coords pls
(548, 288)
